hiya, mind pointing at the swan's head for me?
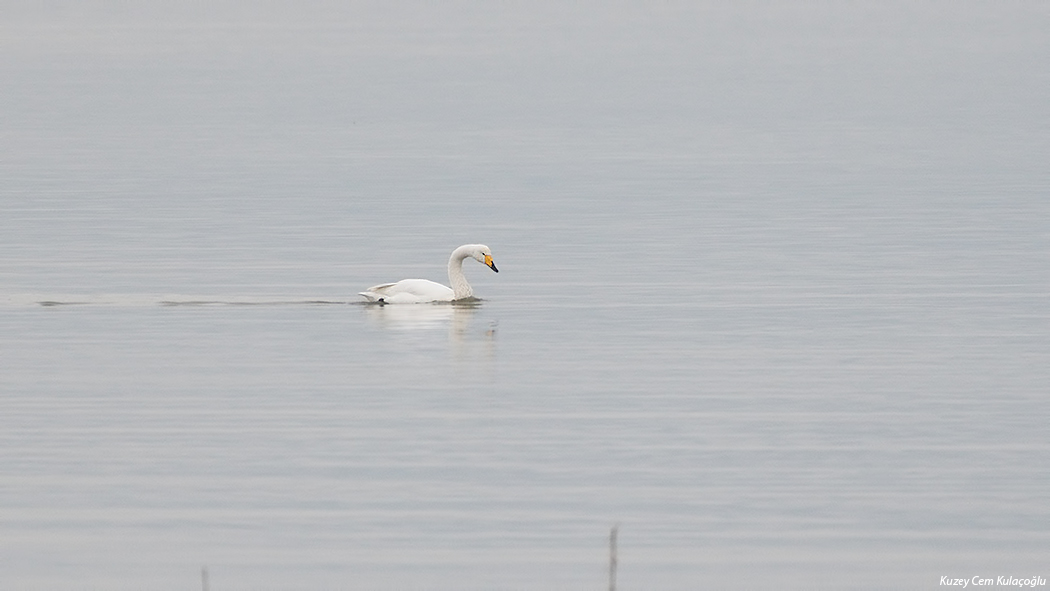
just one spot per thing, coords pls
(483, 255)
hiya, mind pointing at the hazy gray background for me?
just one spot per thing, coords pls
(773, 294)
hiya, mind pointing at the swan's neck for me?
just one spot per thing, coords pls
(456, 278)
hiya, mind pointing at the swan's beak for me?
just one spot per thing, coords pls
(490, 263)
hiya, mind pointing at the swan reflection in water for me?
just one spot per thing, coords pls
(472, 338)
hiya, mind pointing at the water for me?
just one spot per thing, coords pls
(773, 296)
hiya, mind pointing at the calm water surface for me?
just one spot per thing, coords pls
(773, 296)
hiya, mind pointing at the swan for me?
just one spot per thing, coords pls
(421, 291)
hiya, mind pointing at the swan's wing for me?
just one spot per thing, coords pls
(416, 287)
(379, 288)
(409, 291)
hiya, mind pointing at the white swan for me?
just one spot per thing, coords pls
(421, 291)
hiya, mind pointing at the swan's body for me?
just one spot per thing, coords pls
(421, 291)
